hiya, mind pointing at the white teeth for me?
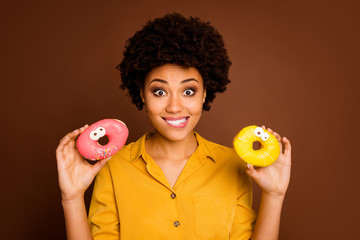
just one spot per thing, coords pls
(176, 122)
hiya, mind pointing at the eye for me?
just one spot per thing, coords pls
(100, 132)
(189, 92)
(258, 131)
(264, 136)
(94, 135)
(159, 92)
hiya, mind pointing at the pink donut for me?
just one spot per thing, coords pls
(115, 130)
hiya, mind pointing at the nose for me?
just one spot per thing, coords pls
(174, 104)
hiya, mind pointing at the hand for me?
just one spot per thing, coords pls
(274, 179)
(75, 173)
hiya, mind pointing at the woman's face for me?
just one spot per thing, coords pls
(173, 97)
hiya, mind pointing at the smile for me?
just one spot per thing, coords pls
(177, 122)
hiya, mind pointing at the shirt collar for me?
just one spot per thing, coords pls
(204, 148)
(138, 148)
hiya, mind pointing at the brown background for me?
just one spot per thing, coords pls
(295, 69)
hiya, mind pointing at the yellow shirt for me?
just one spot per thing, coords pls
(211, 199)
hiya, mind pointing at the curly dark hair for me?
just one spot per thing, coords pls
(174, 39)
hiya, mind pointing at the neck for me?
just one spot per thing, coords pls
(157, 146)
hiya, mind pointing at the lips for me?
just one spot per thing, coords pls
(177, 122)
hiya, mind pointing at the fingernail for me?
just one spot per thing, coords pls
(248, 165)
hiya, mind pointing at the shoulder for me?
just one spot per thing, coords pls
(221, 153)
(217, 149)
(128, 152)
(124, 152)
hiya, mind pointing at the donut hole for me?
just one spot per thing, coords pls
(257, 145)
(103, 140)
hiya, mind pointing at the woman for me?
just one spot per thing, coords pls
(172, 183)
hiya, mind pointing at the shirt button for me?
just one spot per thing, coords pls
(176, 223)
(173, 195)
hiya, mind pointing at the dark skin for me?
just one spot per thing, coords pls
(173, 97)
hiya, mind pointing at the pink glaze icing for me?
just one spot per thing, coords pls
(115, 130)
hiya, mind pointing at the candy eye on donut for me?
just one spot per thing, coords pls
(258, 131)
(100, 132)
(94, 135)
(264, 136)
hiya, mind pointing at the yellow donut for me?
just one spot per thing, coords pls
(266, 155)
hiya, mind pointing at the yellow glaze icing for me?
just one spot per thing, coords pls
(265, 156)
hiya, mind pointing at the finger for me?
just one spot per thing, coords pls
(59, 152)
(270, 130)
(70, 134)
(67, 136)
(251, 171)
(60, 147)
(278, 137)
(63, 138)
(104, 161)
(74, 135)
(83, 128)
(287, 150)
(100, 164)
(76, 132)
(63, 143)
(62, 150)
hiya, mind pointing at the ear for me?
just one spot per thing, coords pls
(204, 97)
(142, 95)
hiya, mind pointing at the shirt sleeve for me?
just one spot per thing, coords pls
(103, 214)
(245, 216)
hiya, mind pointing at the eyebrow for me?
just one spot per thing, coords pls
(164, 81)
